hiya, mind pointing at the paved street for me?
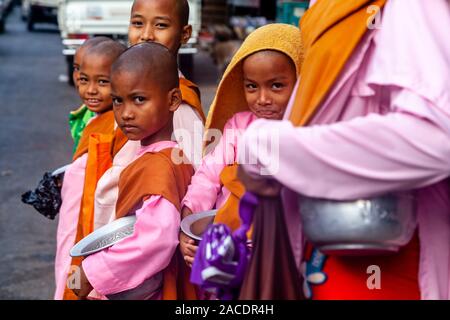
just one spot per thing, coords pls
(34, 137)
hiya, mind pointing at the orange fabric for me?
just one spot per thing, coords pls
(191, 95)
(229, 212)
(331, 30)
(159, 176)
(156, 174)
(118, 142)
(103, 123)
(176, 280)
(99, 160)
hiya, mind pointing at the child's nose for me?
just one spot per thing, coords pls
(92, 88)
(147, 34)
(264, 98)
(127, 114)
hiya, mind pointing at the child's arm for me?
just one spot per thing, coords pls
(205, 184)
(133, 260)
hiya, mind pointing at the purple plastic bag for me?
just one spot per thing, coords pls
(222, 256)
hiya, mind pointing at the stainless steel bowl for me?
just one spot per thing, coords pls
(195, 224)
(362, 227)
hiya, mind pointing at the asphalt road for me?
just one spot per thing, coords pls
(34, 137)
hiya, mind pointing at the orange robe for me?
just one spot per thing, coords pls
(96, 141)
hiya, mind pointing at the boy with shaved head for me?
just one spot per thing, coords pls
(145, 91)
(95, 91)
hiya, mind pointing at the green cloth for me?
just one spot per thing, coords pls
(77, 122)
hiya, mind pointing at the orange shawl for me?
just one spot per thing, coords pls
(103, 123)
(156, 174)
(229, 212)
(191, 95)
(331, 30)
(98, 139)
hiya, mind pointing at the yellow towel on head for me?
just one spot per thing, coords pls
(230, 96)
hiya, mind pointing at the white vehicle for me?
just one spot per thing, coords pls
(79, 20)
(39, 11)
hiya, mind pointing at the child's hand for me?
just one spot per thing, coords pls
(187, 248)
(85, 286)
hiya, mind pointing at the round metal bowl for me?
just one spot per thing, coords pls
(195, 224)
(361, 227)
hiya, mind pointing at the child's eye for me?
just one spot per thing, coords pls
(103, 82)
(83, 80)
(161, 25)
(76, 68)
(250, 86)
(139, 100)
(277, 86)
(116, 101)
(136, 23)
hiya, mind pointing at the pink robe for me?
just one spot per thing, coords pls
(385, 126)
(206, 191)
(141, 257)
(71, 194)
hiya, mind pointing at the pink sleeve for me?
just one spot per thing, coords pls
(205, 184)
(362, 157)
(148, 251)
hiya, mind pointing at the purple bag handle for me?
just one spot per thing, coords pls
(247, 207)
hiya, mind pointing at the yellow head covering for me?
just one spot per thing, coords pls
(230, 96)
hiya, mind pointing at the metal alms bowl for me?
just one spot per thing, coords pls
(361, 227)
(195, 224)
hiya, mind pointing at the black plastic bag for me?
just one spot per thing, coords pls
(46, 198)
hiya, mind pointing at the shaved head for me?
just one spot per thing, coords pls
(110, 49)
(91, 42)
(150, 60)
(183, 11)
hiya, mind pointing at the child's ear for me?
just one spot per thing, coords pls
(186, 34)
(174, 99)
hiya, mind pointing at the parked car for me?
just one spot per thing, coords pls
(34, 11)
(5, 6)
(79, 20)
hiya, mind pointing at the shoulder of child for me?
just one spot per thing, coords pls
(240, 120)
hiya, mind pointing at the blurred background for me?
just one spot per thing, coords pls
(37, 41)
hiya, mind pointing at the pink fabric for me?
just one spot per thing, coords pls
(148, 251)
(385, 126)
(188, 130)
(71, 193)
(107, 189)
(206, 191)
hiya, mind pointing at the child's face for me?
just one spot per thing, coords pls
(269, 78)
(77, 58)
(141, 107)
(158, 21)
(94, 83)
